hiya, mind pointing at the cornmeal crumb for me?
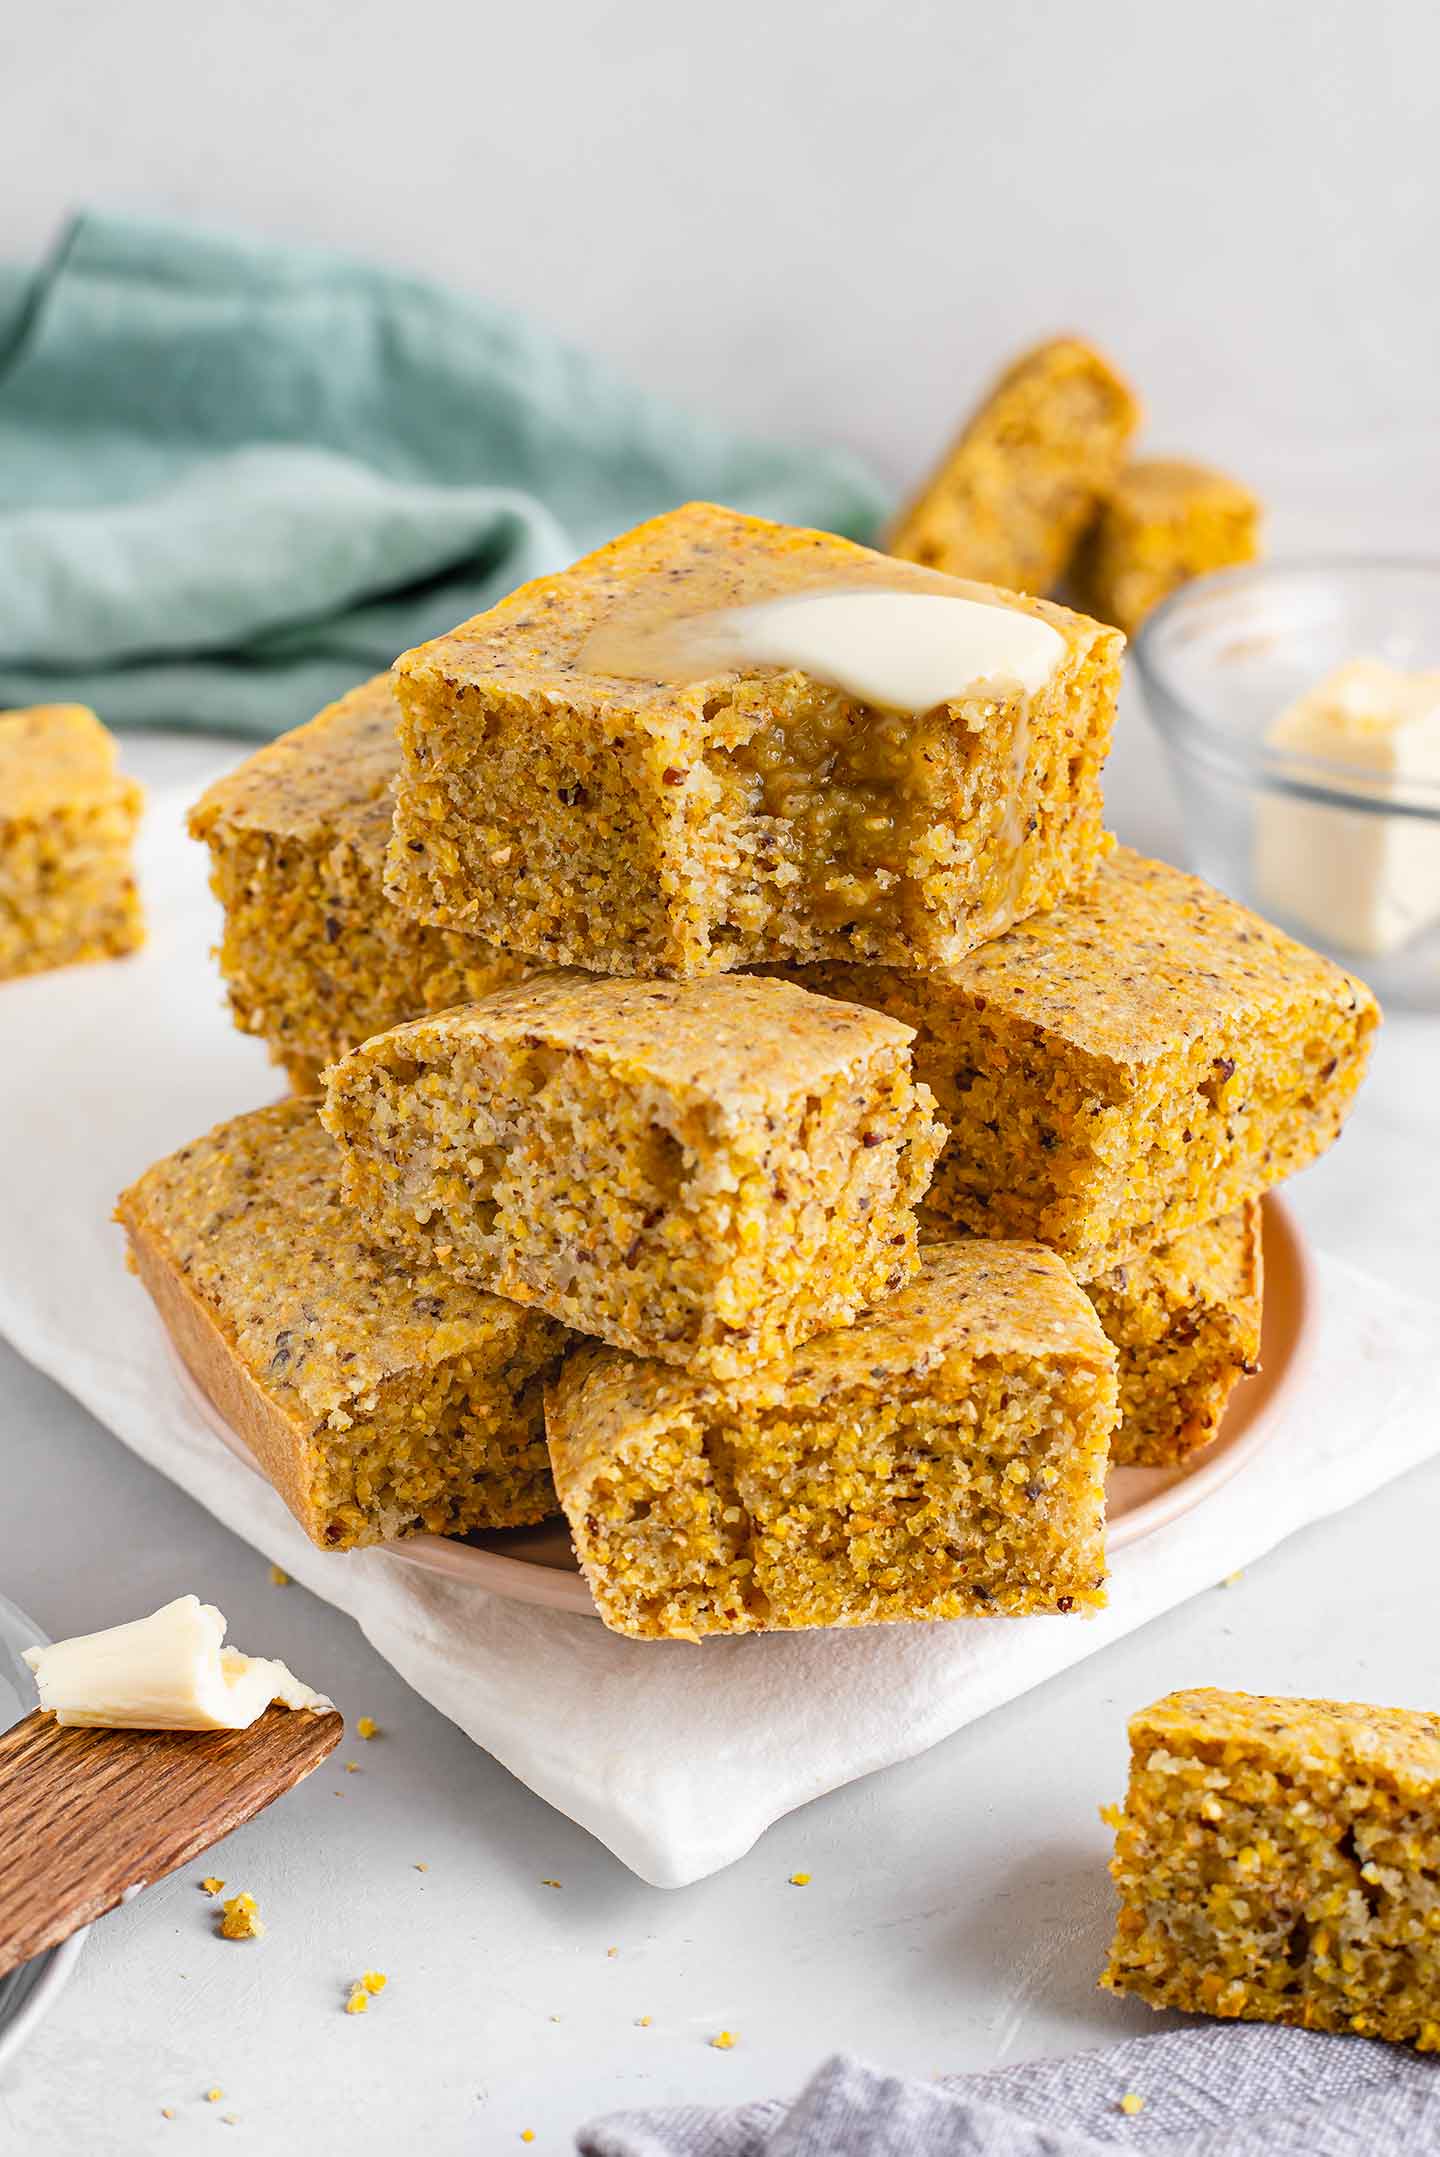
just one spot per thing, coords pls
(612, 1952)
(367, 1726)
(799, 1879)
(527, 2134)
(643, 2022)
(1231, 1578)
(230, 2119)
(358, 2002)
(211, 1885)
(353, 1767)
(549, 1883)
(1131, 2103)
(279, 1578)
(213, 2097)
(374, 1981)
(422, 1868)
(725, 2041)
(241, 1919)
(167, 2112)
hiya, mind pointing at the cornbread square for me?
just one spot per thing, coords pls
(1010, 499)
(1163, 522)
(696, 826)
(944, 1457)
(1277, 1861)
(1185, 1321)
(379, 1395)
(68, 817)
(707, 1171)
(1146, 1056)
(315, 957)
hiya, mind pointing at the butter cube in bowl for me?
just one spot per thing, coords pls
(1300, 706)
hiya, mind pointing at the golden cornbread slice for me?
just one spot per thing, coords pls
(1185, 1320)
(1010, 499)
(694, 825)
(315, 957)
(1144, 1057)
(68, 817)
(378, 1394)
(706, 1171)
(944, 1457)
(1163, 522)
(1277, 1861)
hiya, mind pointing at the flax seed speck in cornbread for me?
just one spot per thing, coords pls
(68, 818)
(707, 1171)
(315, 957)
(944, 1457)
(379, 1395)
(1276, 1862)
(1009, 501)
(1145, 1057)
(745, 812)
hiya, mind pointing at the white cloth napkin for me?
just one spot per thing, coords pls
(676, 1756)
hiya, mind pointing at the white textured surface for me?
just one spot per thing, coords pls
(958, 1905)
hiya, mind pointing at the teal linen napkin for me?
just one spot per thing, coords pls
(236, 478)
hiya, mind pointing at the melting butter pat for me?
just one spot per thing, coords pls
(1362, 878)
(905, 651)
(170, 1671)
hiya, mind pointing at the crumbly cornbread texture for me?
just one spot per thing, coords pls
(943, 1457)
(315, 957)
(1277, 1862)
(1010, 499)
(379, 1394)
(68, 817)
(1163, 522)
(707, 1171)
(1185, 1320)
(656, 827)
(1144, 1057)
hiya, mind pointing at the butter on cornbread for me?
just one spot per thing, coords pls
(1144, 1057)
(379, 1395)
(68, 817)
(943, 1457)
(709, 1172)
(315, 958)
(1012, 496)
(683, 827)
(1276, 1861)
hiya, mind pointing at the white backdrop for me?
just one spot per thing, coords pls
(828, 217)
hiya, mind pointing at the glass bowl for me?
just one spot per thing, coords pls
(1344, 856)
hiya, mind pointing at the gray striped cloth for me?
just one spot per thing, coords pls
(1228, 2090)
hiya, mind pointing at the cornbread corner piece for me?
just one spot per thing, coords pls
(1185, 1320)
(680, 828)
(314, 955)
(379, 1396)
(944, 1457)
(1276, 1862)
(709, 1171)
(1163, 522)
(1144, 1057)
(1010, 499)
(68, 817)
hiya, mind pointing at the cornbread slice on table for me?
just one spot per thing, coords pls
(1163, 522)
(315, 957)
(380, 1396)
(707, 1171)
(68, 817)
(1144, 1057)
(944, 1457)
(1185, 1320)
(688, 826)
(1010, 499)
(1277, 1861)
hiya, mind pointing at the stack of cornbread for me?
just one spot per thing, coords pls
(761, 1116)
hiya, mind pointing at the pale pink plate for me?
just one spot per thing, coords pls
(537, 1565)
